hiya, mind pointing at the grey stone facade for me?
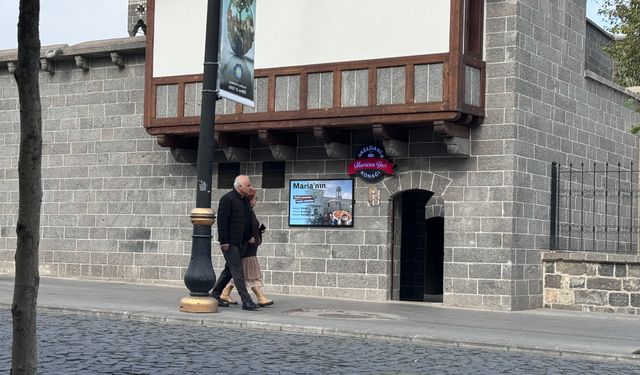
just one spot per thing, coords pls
(541, 107)
(116, 204)
(95, 156)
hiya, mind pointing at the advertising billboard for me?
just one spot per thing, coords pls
(321, 203)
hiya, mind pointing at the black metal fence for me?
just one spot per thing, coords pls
(594, 208)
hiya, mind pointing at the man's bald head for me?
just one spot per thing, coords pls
(242, 184)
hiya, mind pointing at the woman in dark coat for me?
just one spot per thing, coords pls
(250, 265)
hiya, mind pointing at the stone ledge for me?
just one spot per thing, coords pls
(96, 48)
(600, 79)
(589, 257)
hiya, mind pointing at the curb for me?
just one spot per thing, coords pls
(332, 332)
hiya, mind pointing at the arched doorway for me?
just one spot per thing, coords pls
(419, 250)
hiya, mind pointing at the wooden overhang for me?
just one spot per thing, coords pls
(451, 116)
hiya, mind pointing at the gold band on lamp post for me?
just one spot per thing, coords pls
(199, 305)
(203, 216)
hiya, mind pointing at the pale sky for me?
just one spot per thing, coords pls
(76, 21)
(67, 21)
(592, 12)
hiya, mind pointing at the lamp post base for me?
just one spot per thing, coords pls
(199, 305)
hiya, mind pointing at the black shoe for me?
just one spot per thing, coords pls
(221, 303)
(249, 306)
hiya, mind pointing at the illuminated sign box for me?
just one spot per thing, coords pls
(321, 203)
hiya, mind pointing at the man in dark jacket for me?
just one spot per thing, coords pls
(234, 232)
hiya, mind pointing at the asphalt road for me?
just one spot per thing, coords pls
(78, 344)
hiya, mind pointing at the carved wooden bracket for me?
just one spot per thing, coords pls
(236, 147)
(384, 132)
(231, 139)
(394, 139)
(326, 135)
(183, 150)
(275, 138)
(456, 137)
(449, 129)
(166, 141)
(171, 141)
(336, 143)
(282, 145)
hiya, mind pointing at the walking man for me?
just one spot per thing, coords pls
(234, 232)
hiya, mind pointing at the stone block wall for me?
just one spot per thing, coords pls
(544, 108)
(596, 59)
(592, 282)
(114, 201)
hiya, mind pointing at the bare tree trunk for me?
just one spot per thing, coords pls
(24, 353)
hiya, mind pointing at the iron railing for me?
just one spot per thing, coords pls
(594, 208)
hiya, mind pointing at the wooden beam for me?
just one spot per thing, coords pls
(449, 129)
(326, 135)
(457, 137)
(232, 139)
(166, 140)
(388, 132)
(174, 141)
(336, 143)
(277, 138)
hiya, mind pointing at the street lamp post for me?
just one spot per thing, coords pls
(200, 277)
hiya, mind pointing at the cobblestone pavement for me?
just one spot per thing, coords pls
(75, 344)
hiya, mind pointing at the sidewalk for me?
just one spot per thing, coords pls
(611, 336)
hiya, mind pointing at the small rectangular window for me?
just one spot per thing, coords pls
(227, 173)
(273, 174)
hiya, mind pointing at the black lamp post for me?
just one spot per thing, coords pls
(200, 276)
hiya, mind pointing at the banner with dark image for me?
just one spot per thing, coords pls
(237, 51)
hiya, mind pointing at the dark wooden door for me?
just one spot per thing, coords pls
(434, 256)
(413, 257)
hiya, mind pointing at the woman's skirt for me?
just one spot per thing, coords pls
(252, 273)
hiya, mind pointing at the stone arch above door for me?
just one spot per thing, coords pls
(435, 183)
(434, 207)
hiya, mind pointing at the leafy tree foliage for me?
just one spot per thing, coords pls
(623, 17)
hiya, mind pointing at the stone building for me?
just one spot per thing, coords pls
(472, 128)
